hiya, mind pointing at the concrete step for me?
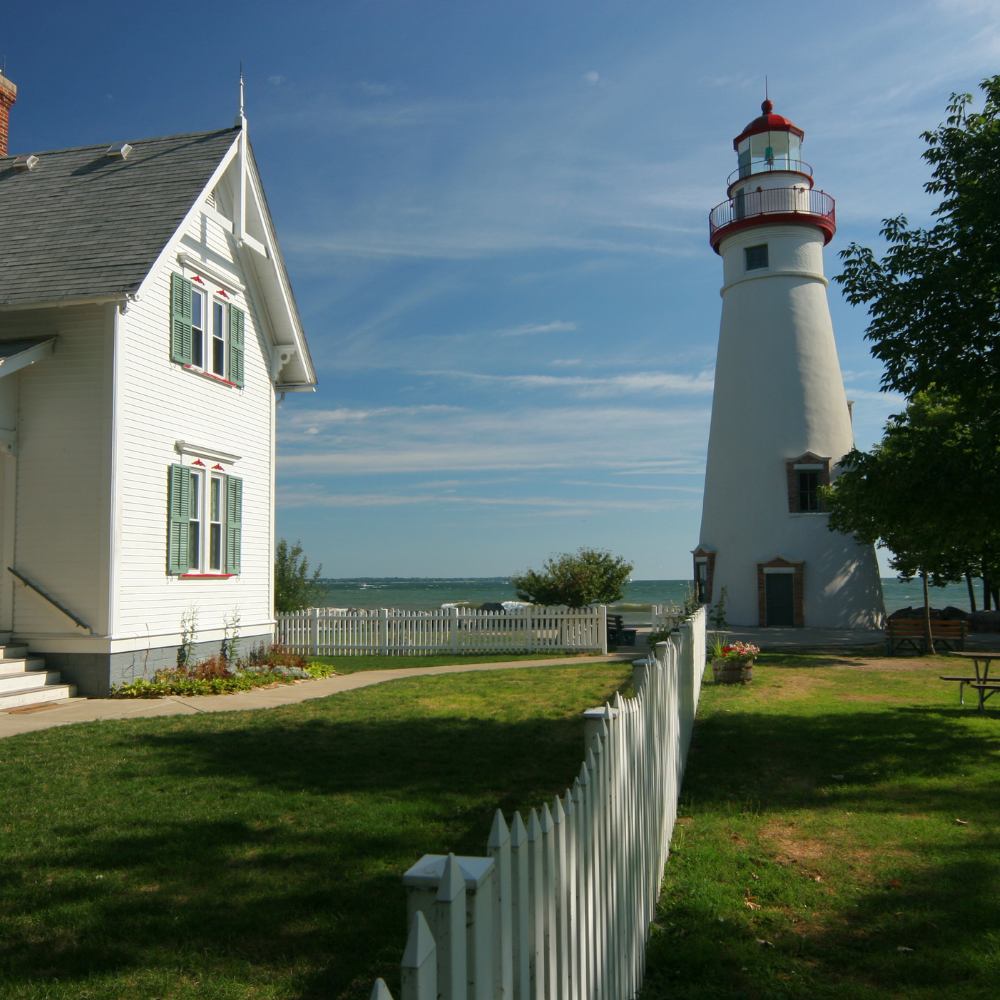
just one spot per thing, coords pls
(15, 651)
(10, 668)
(37, 696)
(28, 681)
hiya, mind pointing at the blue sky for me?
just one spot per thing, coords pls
(495, 219)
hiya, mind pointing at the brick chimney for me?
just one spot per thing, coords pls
(8, 95)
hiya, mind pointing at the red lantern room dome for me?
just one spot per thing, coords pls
(767, 122)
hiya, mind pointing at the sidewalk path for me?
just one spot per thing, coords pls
(65, 713)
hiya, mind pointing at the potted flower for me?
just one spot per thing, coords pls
(732, 663)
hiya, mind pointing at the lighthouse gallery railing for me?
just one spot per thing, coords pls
(772, 201)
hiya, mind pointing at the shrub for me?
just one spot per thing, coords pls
(590, 576)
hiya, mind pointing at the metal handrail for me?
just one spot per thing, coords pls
(772, 201)
(763, 166)
(51, 600)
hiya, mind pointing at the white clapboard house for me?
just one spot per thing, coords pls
(147, 326)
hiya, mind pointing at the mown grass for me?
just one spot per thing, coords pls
(826, 795)
(259, 854)
(353, 664)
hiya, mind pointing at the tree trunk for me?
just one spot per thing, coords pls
(972, 592)
(928, 635)
(986, 587)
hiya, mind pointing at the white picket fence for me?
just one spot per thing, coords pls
(561, 906)
(336, 632)
(666, 616)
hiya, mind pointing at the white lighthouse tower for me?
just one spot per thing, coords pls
(780, 418)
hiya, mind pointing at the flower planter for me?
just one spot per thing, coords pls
(732, 671)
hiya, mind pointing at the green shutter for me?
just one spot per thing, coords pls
(180, 319)
(237, 322)
(179, 526)
(234, 522)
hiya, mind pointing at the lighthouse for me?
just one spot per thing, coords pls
(781, 421)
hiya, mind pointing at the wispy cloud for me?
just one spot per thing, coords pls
(652, 382)
(557, 326)
(316, 497)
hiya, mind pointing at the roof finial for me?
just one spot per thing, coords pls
(768, 105)
(241, 121)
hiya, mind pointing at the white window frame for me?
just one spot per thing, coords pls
(201, 560)
(210, 302)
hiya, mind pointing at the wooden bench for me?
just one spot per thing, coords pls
(946, 633)
(618, 635)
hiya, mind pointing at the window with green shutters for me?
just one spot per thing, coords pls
(237, 321)
(207, 332)
(179, 527)
(193, 543)
(234, 523)
(181, 292)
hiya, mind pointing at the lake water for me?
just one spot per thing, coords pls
(425, 594)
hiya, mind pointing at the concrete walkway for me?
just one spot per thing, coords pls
(65, 713)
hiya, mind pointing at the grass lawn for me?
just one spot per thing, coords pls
(353, 664)
(259, 854)
(826, 795)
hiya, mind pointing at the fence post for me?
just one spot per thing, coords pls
(498, 849)
(383, 631)
(602, 627)
(454, 629)
(314, 631)
(419, 965)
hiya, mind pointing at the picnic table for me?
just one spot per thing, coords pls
(981, 683)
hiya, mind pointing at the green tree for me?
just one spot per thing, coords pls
(293, 587)
(934, 298)
(913, 493)
(589, 576)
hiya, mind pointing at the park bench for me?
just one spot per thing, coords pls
(618, 635)
(946, 633)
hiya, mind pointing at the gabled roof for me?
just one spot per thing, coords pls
(82, 225)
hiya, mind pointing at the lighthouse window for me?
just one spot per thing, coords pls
(808, 491)
(756, 257)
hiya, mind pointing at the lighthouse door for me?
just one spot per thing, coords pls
(779, 602)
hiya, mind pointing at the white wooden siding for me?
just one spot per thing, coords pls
(63, 469)
(161, 403)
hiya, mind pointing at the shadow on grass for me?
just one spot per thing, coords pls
(303, 874)
(936, 897)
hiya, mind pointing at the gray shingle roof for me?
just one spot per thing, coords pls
(81, 224)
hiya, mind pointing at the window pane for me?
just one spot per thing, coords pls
(195, 537)
(195, 531)
(756, 257)
(215, 547)
(197, 330)
(808, 491)
(219, 338)
(216, 498)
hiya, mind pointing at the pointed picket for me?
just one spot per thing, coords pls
(419, 965)
(549, 902)
(520, 909)
(499, 849)
(536, 893)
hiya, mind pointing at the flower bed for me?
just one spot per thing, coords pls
(262, 667)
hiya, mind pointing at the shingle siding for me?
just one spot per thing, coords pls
(81, 225)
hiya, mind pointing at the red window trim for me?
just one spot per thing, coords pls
(214, 378)
(206, 576)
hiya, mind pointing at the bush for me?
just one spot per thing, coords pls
(590, 576)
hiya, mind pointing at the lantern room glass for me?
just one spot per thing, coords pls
(769, 151)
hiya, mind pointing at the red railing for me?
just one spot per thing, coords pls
(772, 201)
